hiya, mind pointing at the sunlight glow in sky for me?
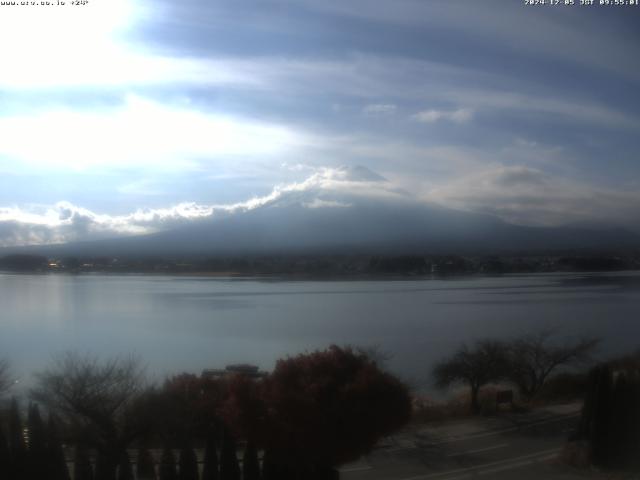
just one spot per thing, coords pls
(140, 133)
(42, 47)
(124, 106)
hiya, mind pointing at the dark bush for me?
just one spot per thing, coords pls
(145, 469)
(320, 409)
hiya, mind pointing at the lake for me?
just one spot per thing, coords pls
(180, 323)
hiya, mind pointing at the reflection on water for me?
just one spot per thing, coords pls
(184, 323)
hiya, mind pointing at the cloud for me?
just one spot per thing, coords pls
(461, 115)
(114, 66)
(65, 222)
(380, 109)
(556, 109)
(61, 47)
(140, 132)
(319, 203)
(143, 187)
(529, 196)
(547, 33)
(520, 176)
(330, 186)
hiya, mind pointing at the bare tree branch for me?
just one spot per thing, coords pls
(534, 357)
(376, 354)
(477, 366)
(93, 397)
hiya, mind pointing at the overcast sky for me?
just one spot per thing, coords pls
(120, 114)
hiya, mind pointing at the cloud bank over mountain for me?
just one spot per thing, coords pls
(349, 198)
(65, 222)
(529, 196)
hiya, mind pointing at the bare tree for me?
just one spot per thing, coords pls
(376, 353)
(95, 398)
(477, 366)
(532, 358)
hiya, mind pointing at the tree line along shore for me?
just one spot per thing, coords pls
(327, 265)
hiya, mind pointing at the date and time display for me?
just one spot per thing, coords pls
(586, 3)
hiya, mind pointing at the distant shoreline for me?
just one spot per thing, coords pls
(332, 267)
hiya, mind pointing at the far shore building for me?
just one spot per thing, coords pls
(244, 369)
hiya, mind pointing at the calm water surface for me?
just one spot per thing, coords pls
(190, 323)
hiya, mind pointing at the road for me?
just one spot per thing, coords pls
(509, 446)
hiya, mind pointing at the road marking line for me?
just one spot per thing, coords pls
(517, 464)
(467, 452)
(356, 469)
(507, 463)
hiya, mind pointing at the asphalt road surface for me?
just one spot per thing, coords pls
(509, 446)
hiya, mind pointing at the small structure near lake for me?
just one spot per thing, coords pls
(244, 369)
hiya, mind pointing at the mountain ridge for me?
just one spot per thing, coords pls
(372, 228)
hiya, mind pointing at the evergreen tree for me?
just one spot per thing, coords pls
(328, 474)
(168, 465)
(600, 434)
(145, 469)
(37, 444)
(82, 469)
(250, 463)
(269, 468)
(56, 461)
(105, 467)
(229, 468)
(634, 424)
(611, 415)
(210, 470)
(276, 469)
(17, 447)
(588, 409)
(5, 456)
(623, 427)
(188, 464)
(125, 472)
